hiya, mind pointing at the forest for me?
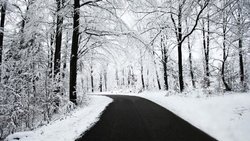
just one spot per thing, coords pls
(54, 52)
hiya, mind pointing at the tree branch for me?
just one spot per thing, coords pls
(89, 2)
(196, 22)
(175, 27)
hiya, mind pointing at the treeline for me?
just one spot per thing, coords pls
(199, 44)
(43, 45)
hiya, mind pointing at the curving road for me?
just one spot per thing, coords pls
(131, 118)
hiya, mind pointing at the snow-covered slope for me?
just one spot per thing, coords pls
(68, 128)
(225, 117)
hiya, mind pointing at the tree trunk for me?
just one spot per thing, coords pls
(142, 76)
(241, 62)
(207, 50)
(242, 76)
(156, 72)
(105, 79)
(191, 63)
(147, 85)
(50, 56)
(123, 77)
(181, 81)
(129, 76)
(91, 78)
(227, 87)
(74, 51)
(100, 84)
(3, 10)
(117, 78)
(206, 54)
(58, 42)
(65, 56)
(157, 78)
(190, 58)
(164, 64)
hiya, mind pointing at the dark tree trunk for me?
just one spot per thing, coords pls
(227, 87)
(100, 84)
(74, 50)
(142, 76)
(142, 70)
(156, 72)
(105, 79)
(129, 76)
(58, 42)
(181, 83)
(179, 32)
(206, 52)
(91, 78)
(191, 63)
(241, 63)
(164, 64)
(50, 56)
(158, 80)
(3, 10)
(242, 78)
(181, 38)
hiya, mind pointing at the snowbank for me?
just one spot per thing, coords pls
(225, 117)
(68, 128)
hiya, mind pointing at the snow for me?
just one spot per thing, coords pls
(68, 128)
(223, 116)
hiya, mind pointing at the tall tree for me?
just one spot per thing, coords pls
(74, 51)
(191, 71)
(225, 19)
(3, 13)
(240, 42)
(100, 83)
(58, 40)
(206, 48)
(142, 70)
(164, 62)
(180, 36)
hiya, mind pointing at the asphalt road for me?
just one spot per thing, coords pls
(131, 118)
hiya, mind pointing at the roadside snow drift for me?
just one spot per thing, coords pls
(224, 117)
(69, 128)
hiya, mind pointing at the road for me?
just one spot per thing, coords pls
(131, 118)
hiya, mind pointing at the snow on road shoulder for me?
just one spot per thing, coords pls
(225, 117)
(71, 127)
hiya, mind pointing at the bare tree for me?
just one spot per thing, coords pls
(164, 61)
(58, 41)
(206, 48)
(190, 60)
(142, 70)
(180, 36)
(240, 23)
(74, 51)
(3, 13)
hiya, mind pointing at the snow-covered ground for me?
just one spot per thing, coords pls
(67, 128)
(225, 117)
